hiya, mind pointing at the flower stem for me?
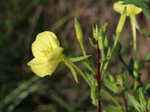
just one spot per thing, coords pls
(135, 66)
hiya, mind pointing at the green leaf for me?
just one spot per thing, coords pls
(72, 70)
(94, 95)
(81, 73)
(111, 77)
(81, 58)
(91, 79)
(92, 43)
(133, 102)
(111, 86)
(142, 98)
(88, 66)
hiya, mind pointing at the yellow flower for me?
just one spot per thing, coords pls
(47, 54)
(132, 10)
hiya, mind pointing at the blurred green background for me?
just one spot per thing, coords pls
(21, 21)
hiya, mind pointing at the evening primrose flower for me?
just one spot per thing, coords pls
(47, 54)
(132, 10)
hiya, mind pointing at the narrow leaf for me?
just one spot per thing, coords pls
(81, 58)
(72, 70)
(112, 86)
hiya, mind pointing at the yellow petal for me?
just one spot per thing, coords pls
(43, 45)
(132, 10)
(56, 55)
(43, 67)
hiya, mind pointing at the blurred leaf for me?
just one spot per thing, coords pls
(111, 86)
(64, 19)
(133, 102)
(111, 77)
(142, 98)
(110, 97)
(20, 93)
